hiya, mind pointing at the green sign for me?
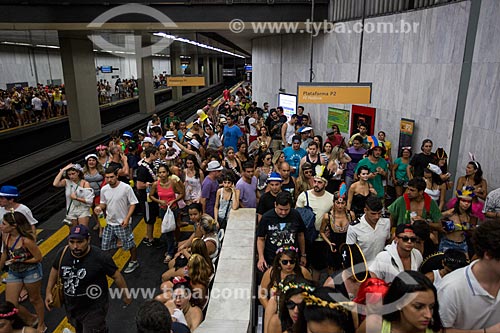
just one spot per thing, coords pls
(339, 117)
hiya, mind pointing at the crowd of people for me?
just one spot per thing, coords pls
(21, 106)
(349, 238)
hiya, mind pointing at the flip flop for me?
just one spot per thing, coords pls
(167, 259)
(23, 297)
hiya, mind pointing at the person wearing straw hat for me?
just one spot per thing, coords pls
(209, 187)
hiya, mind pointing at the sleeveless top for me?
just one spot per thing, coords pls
(193, 188)
(18, 253)
(235, 169)
(290, 131)
(358, 204)
(95, 182)
(262, 180)
(434, 194)
(386, 327)
(223, 205)
(313, 164)
(165, 194)
(70, 188)
(215, 239)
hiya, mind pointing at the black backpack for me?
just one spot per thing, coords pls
(309, 218)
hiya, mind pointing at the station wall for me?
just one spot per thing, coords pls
(415, 75)
(23, 64)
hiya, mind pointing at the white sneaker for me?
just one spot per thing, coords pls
(132, 266)
(67, 330)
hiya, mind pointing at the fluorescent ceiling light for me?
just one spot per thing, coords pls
(192, 42)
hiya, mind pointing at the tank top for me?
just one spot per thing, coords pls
(434, 194)
(386, 327)
(193, 188)
(290, 131)
(215, 239)
(165, 194)
(262, 180)
(20, 252)
(95, 182)
(223, 205)
(314, 164)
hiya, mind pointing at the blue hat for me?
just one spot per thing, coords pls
(79, 232)
(9, 191)
(127, 134)
(274, 177)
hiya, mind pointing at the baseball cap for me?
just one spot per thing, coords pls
(79, 232)
(402, 228)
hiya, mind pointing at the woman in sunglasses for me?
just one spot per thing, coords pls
(305, 180)
(285, 263)
(283, 320)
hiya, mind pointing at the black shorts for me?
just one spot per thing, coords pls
(91, 319)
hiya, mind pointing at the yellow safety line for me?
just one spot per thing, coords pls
(120, 258)
(47, 245)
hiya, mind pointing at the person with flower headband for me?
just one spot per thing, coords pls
(10, 321)
(334, 229)
(282, 312)
(285, 263)
(322, 313)
(458, 222)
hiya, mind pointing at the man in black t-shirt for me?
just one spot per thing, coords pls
(267, 200)
(279, 226)
(146, 175)
(83, 270)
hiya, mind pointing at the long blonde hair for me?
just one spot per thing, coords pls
(199, 269)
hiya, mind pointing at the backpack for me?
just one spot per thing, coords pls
(309, 218)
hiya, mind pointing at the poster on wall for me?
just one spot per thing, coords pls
(289, 104)
(406, 129)
(339, 117)
(365, 115)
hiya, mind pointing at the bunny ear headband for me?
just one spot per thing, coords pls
(473, 160)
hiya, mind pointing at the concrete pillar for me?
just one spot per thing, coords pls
(206, 70)
(79, 72)
(194, 66)
(215, 70)
(175, 64)
(145, 77)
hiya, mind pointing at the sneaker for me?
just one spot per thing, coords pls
(67, 330)
(147, 242)
(67, 222)
(132, 266)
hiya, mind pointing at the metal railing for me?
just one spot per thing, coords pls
(344, 10)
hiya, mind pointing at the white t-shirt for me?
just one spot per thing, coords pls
(36, 103)
(253, 130)
(371, 241)
(320, 206)
(463, 302)
(23, 210)
(117, 201)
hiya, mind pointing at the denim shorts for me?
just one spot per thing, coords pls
(446, 244)
(32, 275)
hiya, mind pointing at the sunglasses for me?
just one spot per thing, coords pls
(286, 262)
(290, 305)
(406, 239)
